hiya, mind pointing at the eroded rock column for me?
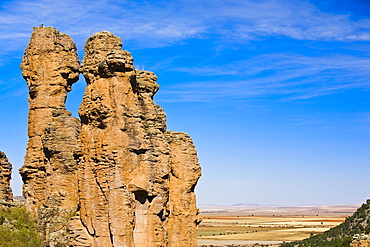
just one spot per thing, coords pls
(106, 204)
(124, 157)
(117, 177)
(6, 193)
(125, 165)
(151, 175)
(185, 172)
(50, 66)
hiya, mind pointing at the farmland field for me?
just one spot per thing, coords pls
(245, 226)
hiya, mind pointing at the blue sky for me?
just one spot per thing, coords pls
(274, 93)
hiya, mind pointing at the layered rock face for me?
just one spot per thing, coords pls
(6, 193)
(135, 179)
(185, 172)
(50, 66)
(126, 158)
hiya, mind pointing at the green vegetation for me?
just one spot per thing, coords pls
(341, 235)
(17, 228)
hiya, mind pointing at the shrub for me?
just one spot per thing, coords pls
(17, 228)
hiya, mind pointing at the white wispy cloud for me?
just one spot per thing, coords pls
(148, 24)
(162, 23)
(292, 76)
(294, 19)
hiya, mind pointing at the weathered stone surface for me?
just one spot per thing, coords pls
(128, 158)
(6, 193)
(185, 172)
(122, 161)
(50, 66)
(360, 243)
(362, 240)
(117, 177)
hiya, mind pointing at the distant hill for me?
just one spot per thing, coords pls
(245, 204)
(254, 208)
(341, 235)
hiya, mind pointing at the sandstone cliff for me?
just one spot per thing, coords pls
(6, 193)
(50, 66)
(117, 177)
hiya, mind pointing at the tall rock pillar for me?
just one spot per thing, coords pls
(50, 66)
(185, 172)
(116, 178)
(131, 184)
(106, 204)
(6, 193)
(124, 164)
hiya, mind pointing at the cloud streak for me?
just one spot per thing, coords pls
(156, 24)
(291, 76)
(164, 23)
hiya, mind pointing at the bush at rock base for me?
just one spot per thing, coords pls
(17, 228)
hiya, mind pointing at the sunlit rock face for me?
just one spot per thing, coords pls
(185, 172)
(124, 179)
(6, 193)
(50, 66)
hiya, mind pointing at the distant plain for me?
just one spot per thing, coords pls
(247, 225)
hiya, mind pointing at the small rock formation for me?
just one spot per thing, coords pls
(362, 240)
(50, 66)
(6, 193)
(360, 243)
(118, 177)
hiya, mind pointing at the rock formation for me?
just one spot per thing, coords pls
(50, 66)
(6, 193)
(360, 240)
(117, 177)
(360, 243)
(185, 172)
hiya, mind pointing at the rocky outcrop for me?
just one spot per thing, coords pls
(360, 240)
(6, 193)
(126, 180)
(360, 243)
(50, 66)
